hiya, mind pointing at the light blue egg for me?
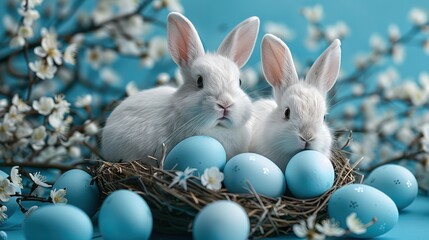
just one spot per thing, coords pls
(264, 175)
(368, 203)
(80, 192)
(395, 181)
(198, 152)
(221, 220)
(11, 205)
(58, 222)
(309, 174)
(125, 214)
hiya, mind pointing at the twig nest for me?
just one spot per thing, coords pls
(174, 208)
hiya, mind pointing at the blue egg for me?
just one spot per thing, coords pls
(221, 220)
(198, 152)
(264, 175)
(58, 222)
(368, 203)
(80, 191)
(309, 174)
(125, 213)
(11, 205)
(395, 181)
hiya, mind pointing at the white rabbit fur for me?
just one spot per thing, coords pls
(142, 122)
(274, 135)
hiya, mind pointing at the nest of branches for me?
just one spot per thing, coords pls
(174, 208)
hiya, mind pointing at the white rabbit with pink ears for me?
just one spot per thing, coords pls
(294, 120)
(210, 102)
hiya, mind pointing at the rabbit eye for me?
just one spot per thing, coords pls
(324, 117)
(200, 82)
(287, 113)
(240, 81)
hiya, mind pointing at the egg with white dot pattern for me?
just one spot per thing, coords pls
(368, 203)
(395, 181)
(265, 177)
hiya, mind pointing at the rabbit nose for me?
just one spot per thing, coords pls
(224, 106)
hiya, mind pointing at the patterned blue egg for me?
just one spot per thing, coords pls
(368, 203)
(81, 191)
(58, 222)
(221, 220)
(11, 205)
(395, 181)
(198, 152)
(125, 215)
(309, 174)
(265, 177)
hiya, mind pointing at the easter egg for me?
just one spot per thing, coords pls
(221, 220)
(309, 174)
(58, 222)
(395, 181)
(81, 191)
(198, 152)
(11, 204)
(368, 203)
(264, 175)
(125, 214)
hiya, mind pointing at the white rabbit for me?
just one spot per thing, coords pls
(294, 120)
(210, 102)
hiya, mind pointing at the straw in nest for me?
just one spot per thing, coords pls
(174, 208)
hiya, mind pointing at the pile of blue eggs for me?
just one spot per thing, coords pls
(308, 174)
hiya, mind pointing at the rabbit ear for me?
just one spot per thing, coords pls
(239, 43)
(183, 40)
(324, 72)
(277, 64)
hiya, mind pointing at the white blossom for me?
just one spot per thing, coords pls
(49, 48)
(394, 33)
(354, 224)
(3, 215)
(20, 104)
(305, 229)
(313, 14)
(14, 116)
(30, 15)
(133, 26)
(39, 179)
(6, 130)
(6, 189)
(74, 152)
(398, 53)
(9, 24)
(158, 47)
(127, 46)
(377, 42)
(163, 78)
(418, 16)
(83, 101)
(182, 177)
(109, 76)
(16, 177)
(103, 12)
(280, 30)
(38, 138)
(330, 228)
(44, 106)
(70, 54)
(25, 31)
(91, 128)
(58, 196)
(212, 178)
(43, 70)
(31, 210)
(131, 88)
(95, 57)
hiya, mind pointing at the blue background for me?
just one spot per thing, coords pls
(214, 19)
